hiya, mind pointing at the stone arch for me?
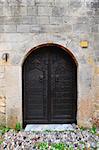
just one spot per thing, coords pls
(52, 44)
(41, 39)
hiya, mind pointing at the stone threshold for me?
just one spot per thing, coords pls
(49, 127)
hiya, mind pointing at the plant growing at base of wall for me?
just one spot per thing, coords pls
(4, 130)
(93, 130)
(18, 126)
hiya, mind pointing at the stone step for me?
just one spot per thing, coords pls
(49, 127)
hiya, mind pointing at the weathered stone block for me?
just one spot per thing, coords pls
(96, 80)
(96, 14)
(95, 47)
(57, 28)
(96, 38)
(97, 106)
(23, 28)
(95, 28)
(15, 59)
(97, 92)
(61, 2)
(2, 105)
(1, 20)
(32, 11)
(2, 91)
(26, 20)
(56, 20)
(10, 28)
(19, 2)
(2, 119)
(1, 75)
(97, 70)
(1, 2)
(75, 4)
(13, 38)
(81, 28)
(86, 79)
(58, 11)
(30, 2)
(45, 11)
(1, 11)
(36, 28)
(2, 82)
(34, 20)
(43, 20)
(96, 43)
(94, 20)
(44, 2)
(2, 69)
(20, 11)
(13, 20)
(96, 53)
(1, 28)
(82, 20)
(95, 4)
(2, 109)
(8, 11)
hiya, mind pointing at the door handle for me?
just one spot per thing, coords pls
(41, 77)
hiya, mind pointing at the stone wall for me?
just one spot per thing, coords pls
(23, 23)
(2, 96)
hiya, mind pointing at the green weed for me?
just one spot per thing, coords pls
(1, 142)
(82, 128)
(93, 130)
(42, 146)
(18, 126)
(4, 130)
(58, 146)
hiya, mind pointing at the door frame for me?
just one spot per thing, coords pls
(39, 49)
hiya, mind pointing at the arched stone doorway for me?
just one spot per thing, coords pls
(49, 76)
(85, 84)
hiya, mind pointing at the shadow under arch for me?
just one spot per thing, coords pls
(34, 50)
(51, 44)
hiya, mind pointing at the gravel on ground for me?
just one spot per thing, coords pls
(22, 140)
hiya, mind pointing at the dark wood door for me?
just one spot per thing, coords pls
(49, 87)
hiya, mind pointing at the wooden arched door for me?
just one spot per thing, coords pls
(49, 86)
